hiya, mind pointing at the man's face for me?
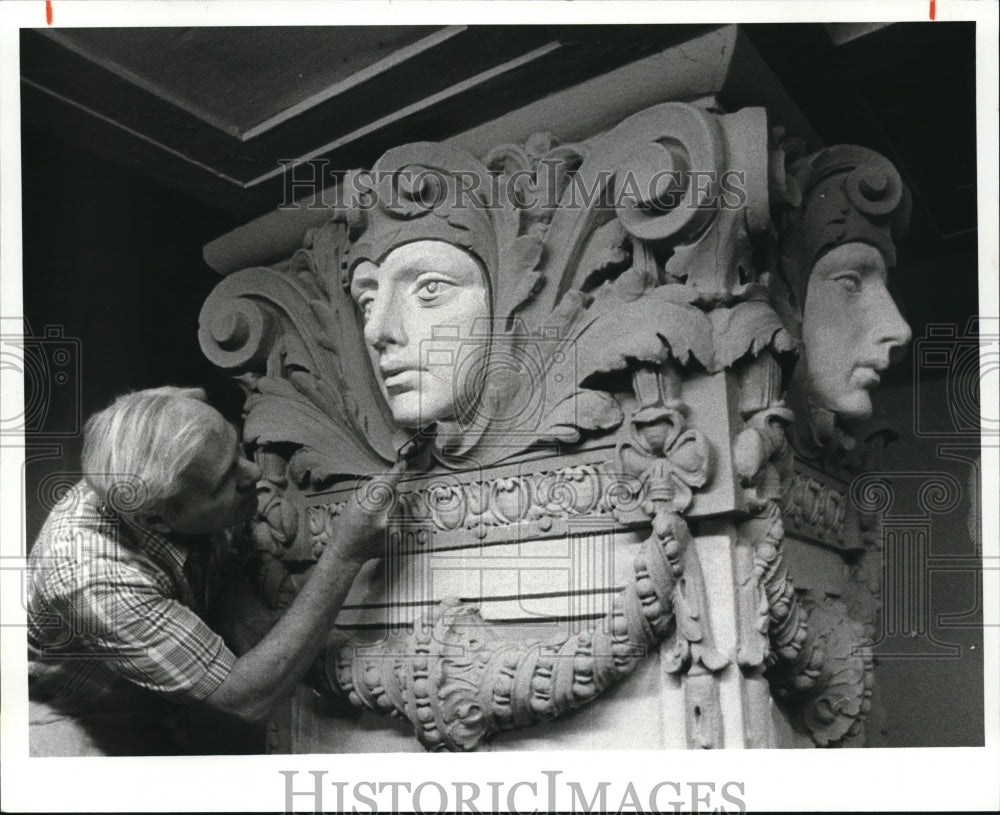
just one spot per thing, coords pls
(417, 305)
(219, 487)
(851, 329)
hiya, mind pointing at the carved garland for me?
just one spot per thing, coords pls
(465, 683)
(814, 654)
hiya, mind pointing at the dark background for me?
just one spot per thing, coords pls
(112, 257)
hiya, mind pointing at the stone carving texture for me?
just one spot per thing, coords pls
(814, 507)
(615, 276)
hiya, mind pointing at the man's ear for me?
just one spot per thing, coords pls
(155, 521)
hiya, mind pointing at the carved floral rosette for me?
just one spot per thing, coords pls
(649, 281)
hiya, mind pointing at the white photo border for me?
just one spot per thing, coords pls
(871, 779)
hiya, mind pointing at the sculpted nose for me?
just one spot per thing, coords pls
(894, 330)
(384, 326)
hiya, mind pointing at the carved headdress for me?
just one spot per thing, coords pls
(846, 194)
(422, 191)
(427, 191)
(496, 208)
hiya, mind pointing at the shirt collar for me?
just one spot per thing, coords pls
(167, 550)
(171, 551)
(175, 551)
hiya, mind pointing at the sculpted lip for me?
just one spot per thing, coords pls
(877, 364)
(399, 377)
(869, 377)
(869, 372)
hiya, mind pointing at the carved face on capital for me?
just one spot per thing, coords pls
(851, 329)
(418, 305)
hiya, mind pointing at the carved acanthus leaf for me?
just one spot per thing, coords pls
(533, 177)
(641, 276)
(531, 396)
(748, 327)
(294, 332)
(579, 411)
(569, 283)
(632, 156)
(838, 709)
(720, 255)
(361, 399)
(606, 255)
(281, 413)
(654, 328)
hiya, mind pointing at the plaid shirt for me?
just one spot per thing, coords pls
(112, 607)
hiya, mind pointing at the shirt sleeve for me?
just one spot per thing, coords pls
(124, 617)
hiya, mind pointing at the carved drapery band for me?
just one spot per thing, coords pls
(523, 505)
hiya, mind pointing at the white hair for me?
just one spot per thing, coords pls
(135, 450)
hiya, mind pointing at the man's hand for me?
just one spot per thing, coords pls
(361, 531)
(269, 671)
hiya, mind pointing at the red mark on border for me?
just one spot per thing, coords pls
(933, 8)
(48, 11)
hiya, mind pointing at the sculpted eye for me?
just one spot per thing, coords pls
(430, 290)
(851, 282)
(365, 305)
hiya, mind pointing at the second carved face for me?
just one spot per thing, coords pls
(851, 329)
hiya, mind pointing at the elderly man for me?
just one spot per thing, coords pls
(118, 588)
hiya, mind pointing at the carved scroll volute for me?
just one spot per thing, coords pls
(291, 339)
(236, 334)
(596, 275)
(669, 172)
(653, 152)
(657, 287)
(294, 341)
